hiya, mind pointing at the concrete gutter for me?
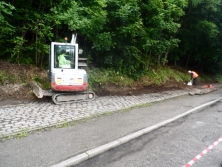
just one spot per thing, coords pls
(101, 149)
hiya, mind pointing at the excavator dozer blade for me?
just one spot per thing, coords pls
(37, 90)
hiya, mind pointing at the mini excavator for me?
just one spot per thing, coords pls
(69, 82)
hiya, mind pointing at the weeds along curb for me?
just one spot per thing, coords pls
(101, 149)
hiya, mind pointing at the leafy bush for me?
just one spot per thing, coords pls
(107, 77)
(219, 78)
(157, 76)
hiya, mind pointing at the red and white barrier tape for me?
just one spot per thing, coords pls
(203, 153)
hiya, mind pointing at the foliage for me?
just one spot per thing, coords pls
(161, 75)
(107, 77)
(126, 36)
(157, 76)
(200, 35)
(27, 42)
(219, 78)
(5, 27)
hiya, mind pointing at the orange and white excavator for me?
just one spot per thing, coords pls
(69, 81)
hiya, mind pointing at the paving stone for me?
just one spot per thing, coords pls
(5, 123)
(42, 114)
(23, 126)
(9, 125)
(44, 124)
(15, 130)
(19, 123)
(36, 124)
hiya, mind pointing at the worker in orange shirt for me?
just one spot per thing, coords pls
(194, 77)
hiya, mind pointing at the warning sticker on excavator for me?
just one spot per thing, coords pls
(76, 81)
(79, 80)
(58, 81)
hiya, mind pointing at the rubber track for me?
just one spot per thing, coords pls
(73, 101)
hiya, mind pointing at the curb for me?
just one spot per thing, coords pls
(101, 149)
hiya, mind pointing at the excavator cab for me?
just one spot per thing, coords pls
(68, 54)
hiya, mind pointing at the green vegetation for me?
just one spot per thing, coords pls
(157, 77)
(45, 84)
(106, 77)
(128, 39)
(6, 77)
(22, 133)
(219, 78)
(62, 124)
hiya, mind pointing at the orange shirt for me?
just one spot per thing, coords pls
(195, 75)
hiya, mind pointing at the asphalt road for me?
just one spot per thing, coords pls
(48, 147)
(173, 145)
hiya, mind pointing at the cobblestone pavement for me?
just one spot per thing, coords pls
(15, 119)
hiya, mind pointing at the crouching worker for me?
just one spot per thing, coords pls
(194, 77)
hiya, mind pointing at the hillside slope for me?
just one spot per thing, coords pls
(14, 84)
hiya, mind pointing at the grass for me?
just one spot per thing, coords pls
(22, 133)
(7, 78)
(162, 75)
(108, 76)
(62, 124)
(219, 78)
(157, 75)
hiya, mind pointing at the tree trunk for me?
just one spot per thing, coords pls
(166, 56)
(159, 57)
(18, 57)
(36, 50)
(42, 58)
